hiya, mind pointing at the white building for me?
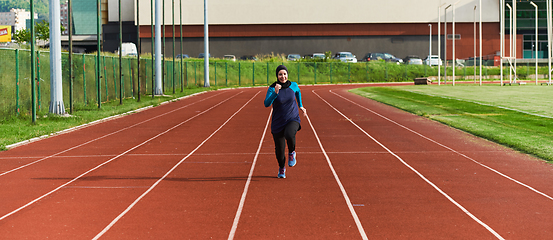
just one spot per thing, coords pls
(16, 18)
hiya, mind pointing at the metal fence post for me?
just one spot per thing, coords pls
(215, 63)
(299, 65)
(253, 74)
(239, 75)
(331, 72)
(105, 77)
(226, 74)
(17, 81)
(114, 77)
(38, 79)
(315, 73)
(84, 79)
(349, 72)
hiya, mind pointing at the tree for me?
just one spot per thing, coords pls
(42, 31)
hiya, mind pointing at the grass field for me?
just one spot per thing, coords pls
(17, 129)
(519, 117)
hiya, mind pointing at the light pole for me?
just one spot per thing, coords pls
(453, 41)
(474, 37)
(548, 6)
(206, 47)
(445, 43)
(480, 36)
(514, 39)
(439, 46)
(430, 43)
(536, 40)
(510, 42)
(502, 39)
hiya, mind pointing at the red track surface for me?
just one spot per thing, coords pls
(204, 168)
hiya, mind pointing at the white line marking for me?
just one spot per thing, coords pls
(450, 149)
(168, 172)
(93, 140)
(108, 161)
(348, 202)
(247, 186)
(416, 172)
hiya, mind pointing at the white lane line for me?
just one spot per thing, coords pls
(96, 139)
(348, 201)
(418, 173)
(448, 148)
(110, 160)
(247, 186)
(109, 226)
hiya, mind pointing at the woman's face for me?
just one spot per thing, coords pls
(282, 76)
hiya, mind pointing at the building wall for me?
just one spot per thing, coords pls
(313, 11)
(398, 39)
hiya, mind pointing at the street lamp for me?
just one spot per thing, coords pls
(536, 40)
(430, 42)
(439, 45)
(510, 42)
(445, 43)
(474, 37)
(453, 41)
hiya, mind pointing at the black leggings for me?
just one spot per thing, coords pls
(288, 135)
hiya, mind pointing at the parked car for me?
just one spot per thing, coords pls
(412, 60)
(182, 56)
(202, 55)
(345, 57)
(248, 57)
(433, 60)
(230, 57)
(293, 57)
(382, 56)
(315, 56)
(129, 49)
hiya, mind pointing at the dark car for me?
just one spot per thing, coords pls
(381, 56)
(182, 56)
(248, 57)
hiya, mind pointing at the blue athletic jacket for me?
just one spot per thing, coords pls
(284, 104)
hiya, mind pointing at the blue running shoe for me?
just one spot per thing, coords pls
(292, 159)
(281, 173)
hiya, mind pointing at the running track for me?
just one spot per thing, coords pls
(203, 167)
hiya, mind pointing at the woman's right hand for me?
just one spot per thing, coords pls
(277, 88)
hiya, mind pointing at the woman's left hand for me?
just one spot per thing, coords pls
(304, 111)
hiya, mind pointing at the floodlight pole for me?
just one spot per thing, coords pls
(502, 40)
(206, 47)
(514, 38)
(439, 45)
(56, 93)
(70, 31)
(158, 90)
(430, 43)
(474, 37)
(120, 56)
(445, 43)
(548, 4)
(480, 36)
(510, 43)
(139, 45)
(536, 40)
(453, 41)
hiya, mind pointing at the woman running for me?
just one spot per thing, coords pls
(285, 123)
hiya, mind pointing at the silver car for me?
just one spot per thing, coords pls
(345, 57)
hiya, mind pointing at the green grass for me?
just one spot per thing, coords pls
(508, 115)
(17, 129)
